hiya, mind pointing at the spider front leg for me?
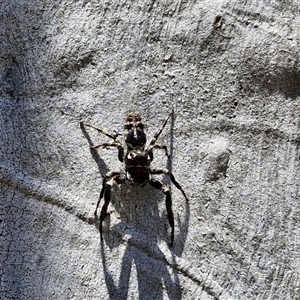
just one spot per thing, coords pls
(108, 182)
(158, 133)
(167, 172)
(114, 137)
(164, 188)
(115, 143)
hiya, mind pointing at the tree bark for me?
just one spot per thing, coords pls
(230, 71)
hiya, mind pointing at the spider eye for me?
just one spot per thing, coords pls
(128, 126)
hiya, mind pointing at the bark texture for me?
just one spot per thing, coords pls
(234, 142)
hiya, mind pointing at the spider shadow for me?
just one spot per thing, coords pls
(139, 228)
(99, 161)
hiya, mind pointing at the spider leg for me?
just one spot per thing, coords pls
(104, 209)
(114, 137)
(107, 184)
(164, 188)
(114, 144)
(151, 148)
(157, 134)
(167, 172)
(100, 197)
(107, 177)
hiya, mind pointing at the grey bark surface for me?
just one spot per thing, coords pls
(234, 142)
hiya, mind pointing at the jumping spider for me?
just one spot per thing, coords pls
(137, 164)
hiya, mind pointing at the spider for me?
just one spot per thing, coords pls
(137, 161)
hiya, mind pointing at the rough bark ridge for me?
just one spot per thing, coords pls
(234, 142)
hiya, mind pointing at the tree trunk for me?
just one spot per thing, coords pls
(230, 71)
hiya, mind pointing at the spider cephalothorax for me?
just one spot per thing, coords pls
(137, 161)
(135, 136)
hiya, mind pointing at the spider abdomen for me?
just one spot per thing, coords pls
(137, 165)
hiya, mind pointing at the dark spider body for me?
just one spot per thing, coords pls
(137, 165)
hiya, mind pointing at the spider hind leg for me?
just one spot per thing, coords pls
(164, 188)
(107, 184)
(167, 172)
